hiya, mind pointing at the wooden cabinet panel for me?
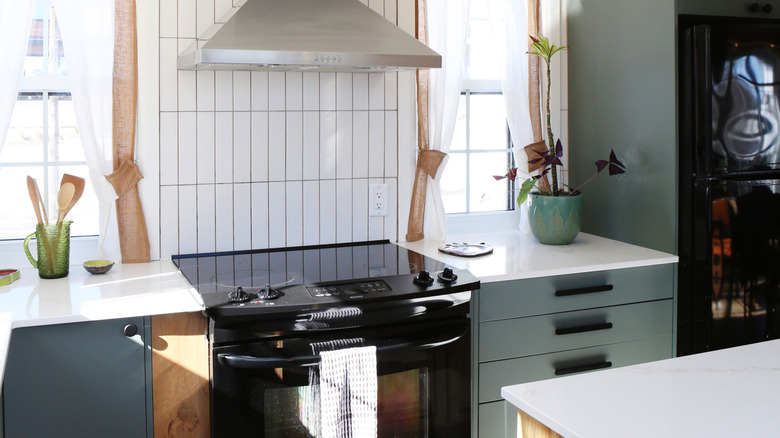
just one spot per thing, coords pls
(569, 330)
(494, 375)
(538, 296)
(180, 369)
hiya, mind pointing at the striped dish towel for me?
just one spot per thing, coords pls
(348, 393)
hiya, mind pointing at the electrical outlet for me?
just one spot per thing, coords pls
(377, 200)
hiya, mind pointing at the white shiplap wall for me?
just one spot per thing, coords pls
(259, 159)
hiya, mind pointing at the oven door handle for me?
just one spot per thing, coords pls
(253, 363)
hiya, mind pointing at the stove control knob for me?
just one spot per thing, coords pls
(423, 279)
(447, 276)
(268, 293)
(238, 295)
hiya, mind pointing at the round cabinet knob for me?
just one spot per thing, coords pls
(423, 278)
(447, 276)
(130, 330)
(754, 7)
(767, 8)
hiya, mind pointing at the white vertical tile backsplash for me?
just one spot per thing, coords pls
(242, 94)
(169, 149)
(187, 148)
(205, 146)
(224, 90)
(188, 229)
(259, 133)
(205, 87)
(186, 19)
(242, 216)
(207, 232)
(277, 229)
(360, 144)
(223, 154)
(224, 216)
(260, 215)
(242, 147)
(293, 146)
(294, 213)
(343, 210)
(269, 159)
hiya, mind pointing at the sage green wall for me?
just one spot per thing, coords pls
(622, 87)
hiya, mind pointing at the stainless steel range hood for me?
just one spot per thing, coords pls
(309, 35)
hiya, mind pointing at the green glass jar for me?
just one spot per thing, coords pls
(53, 242)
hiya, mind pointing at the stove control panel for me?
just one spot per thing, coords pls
(349, 290)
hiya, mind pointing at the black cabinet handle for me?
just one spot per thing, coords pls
(130, 330)
(582, 368)
(583, 290)
(754, 7)
(583, 328)
(767, 8)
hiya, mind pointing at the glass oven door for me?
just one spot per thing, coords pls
(263, 389)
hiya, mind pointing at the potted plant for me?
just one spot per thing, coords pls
(555, 209)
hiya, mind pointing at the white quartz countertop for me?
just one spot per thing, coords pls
(127, 290)
(517, 255)
(725, 393)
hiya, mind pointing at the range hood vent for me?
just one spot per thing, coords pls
(309, 35)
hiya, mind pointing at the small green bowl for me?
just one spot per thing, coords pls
(98, 266)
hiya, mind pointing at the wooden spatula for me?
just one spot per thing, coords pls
(63, 200)
(78, 187)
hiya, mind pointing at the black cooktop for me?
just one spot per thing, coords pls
(313, 276)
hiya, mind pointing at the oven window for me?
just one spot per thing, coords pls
(291, 412)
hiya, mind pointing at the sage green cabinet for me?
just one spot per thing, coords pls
(87, 379)
(622, 75)
(542, 328)
(730, 8)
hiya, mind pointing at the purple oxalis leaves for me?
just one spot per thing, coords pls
(615, 166)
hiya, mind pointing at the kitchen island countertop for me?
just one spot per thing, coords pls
(724, 393)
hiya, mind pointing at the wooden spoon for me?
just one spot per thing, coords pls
(63, 200)
(78, 183)
(31, 189)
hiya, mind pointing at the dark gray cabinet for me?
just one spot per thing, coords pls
(730, 8)
(622, 95)
(88, 379)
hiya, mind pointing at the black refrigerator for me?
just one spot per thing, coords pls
(729, 186)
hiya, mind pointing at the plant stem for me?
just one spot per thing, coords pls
(550, 139)
(583, 184)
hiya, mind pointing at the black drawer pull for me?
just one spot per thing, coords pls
(583, 328)
(582, 368)
(583, 290)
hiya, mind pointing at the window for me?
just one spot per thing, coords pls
(481, 145)
(43, 139)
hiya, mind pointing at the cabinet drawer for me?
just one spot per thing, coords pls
(494, 375)
(491, 420)
(537, 296)
(520, 337)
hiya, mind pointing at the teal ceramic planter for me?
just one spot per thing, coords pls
(555, 220)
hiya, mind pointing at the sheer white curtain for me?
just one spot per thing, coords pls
(15, 20)
(447, 31)
(509, 21)
(87, 28)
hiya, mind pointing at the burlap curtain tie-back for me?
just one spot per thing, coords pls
(429, 161)
(125, 178)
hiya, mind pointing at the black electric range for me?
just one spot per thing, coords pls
(321, 280)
